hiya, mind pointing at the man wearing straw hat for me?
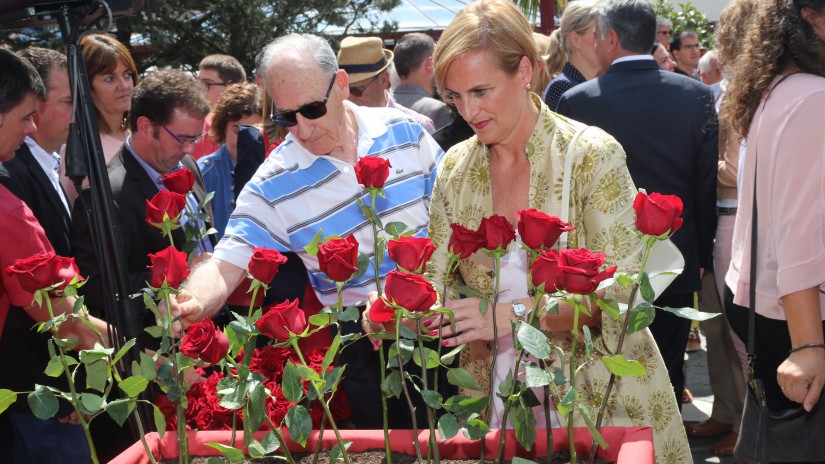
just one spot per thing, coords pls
(367, 64)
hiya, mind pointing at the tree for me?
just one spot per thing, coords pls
(687, 17)
(179, 33)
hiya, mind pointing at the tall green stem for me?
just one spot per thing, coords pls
(490, 393)
(143, 440)
(432, 445)
(277, 432)
(183, 437)
(407, 391)
(75, 397)
(570, 439)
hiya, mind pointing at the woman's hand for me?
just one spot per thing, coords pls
(802, 376)
(470, 324)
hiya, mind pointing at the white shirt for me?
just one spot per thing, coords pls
(50, 163)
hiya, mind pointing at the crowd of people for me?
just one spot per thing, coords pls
(475, 123)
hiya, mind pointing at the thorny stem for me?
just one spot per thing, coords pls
(490, 393)
(277, 432)
(432, 446)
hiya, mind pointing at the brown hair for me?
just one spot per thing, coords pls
(496, 26)
(237, 102)
(162, 92)
(229, 69)
(101, 55)
(778, 40)
(733, 27)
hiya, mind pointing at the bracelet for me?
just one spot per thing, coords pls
(806, 345)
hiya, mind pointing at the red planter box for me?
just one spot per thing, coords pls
(630, 445)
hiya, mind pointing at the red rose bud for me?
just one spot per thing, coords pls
(411, 253)
(545, 270)
(380, 312)
(497, 232)
(67, 272)
(657, 214)
(539, 230)
(579, 271)
(165, 206)
(206, 342)
(372, 171)
(180, 181)
(36, 272)
(168, 264)
(337, 258)
(264, 264)
(410, 291)
(281, 319)
(464, 242)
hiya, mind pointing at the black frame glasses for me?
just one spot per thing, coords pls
(313, 110)
(358, 91)
(183, 140)
(209, 85)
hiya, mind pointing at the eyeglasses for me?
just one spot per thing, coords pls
(208, 85)
(663, 32)
(313, 110)
(358, 91)
(184, 140)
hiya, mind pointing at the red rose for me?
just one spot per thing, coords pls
(338, 257)
(270, 361)
(180, 181)
(579, 271)
(380, 312)
(497, 232)
(204, 341)
(410, 291)
(372, 171)
(168, 264)
(657, 214)
(539, 230)
(411, 253)
(314, 359)
(67, 271)
(281, 319)
(464, 242)
(264, 264)
(545, 270)
(42, 271)
(339, 406)
(165, 206)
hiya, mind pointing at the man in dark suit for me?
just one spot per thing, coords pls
(33, 175)
(668, 128)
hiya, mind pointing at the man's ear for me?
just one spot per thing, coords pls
(428, 64)
(145, 126)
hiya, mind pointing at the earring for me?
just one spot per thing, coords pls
(528, 86)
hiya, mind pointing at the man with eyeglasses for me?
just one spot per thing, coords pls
(367, 64)
(166, 119)
(216, 73)
(664, 27)
(308, 185)
(686, 51)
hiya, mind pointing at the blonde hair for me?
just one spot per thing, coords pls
(541, 77)
(495, 26)
(578, 17)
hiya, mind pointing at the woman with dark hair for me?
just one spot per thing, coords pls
(777, 97)
(662, 56)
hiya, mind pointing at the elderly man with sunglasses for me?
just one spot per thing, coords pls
(166, 120)
(308, 185)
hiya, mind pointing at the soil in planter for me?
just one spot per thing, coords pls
(377, 457)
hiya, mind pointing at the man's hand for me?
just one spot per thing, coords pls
(185, 310)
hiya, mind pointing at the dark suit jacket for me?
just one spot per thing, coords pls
(131, 187)
(667, 125)
(29, 183)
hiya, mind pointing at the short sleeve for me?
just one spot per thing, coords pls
(22, 237)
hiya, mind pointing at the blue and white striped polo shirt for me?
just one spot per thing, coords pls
(295, 193)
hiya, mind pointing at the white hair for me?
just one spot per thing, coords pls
(706, 61)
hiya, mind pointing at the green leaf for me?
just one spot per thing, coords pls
(160, 420)
(363, 263)
(90, 403)
(610, 307)
(270, 442)
(322, 319)
(534, 376)
(255, 407)
(468, 292)
(588, 341)
(134, 385)
(7, 398)
(447, 426)
(568, 401)
(475, 428)
(597, 436)
(431, 398)
(624, 280)
(299, 424)
(120, 409)
(518, 460)
(291, 383)
(691, 313)
(230, 453)
(155, 331)
(395, 228)
(95, 354)
(335, 452)
(640, 317)
(408, 333)
(350, 314)
(464, 406)
(153, 307)
(461, 378)
(312, 247)
(524, 423)
(534, 341)
(331, 351)
(123, 350)
(392, 385)
(405, 347)
(427, 356)
(646, 289)
(332, 377)
(147, 367)
(42, 402)
(97, 375)
(482, 306)
(450, 356)
(624, 368)
(54, 368)
(255, 449)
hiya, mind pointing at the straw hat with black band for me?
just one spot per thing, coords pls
(363, 58)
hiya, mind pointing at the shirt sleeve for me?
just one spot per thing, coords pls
(22, 237)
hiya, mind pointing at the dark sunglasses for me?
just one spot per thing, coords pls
(312, 110)
(358, 91)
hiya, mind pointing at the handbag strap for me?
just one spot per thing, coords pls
(565, 191)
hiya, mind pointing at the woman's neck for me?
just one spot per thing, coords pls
(516, 144)
(115, 123)
(588, 70)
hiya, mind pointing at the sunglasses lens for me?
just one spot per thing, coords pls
(357, 92)
(285, 119)
(314, 110)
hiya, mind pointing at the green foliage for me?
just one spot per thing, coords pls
(685, 17)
